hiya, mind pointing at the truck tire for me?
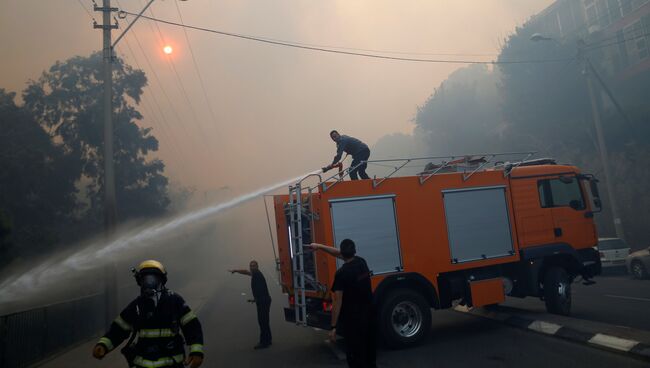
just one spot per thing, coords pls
(404, 318)
(638, 270)
(557, 291)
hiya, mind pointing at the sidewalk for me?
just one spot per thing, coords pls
(632, 342)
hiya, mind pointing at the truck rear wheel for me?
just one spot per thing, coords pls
(557, 291)
(404, 318)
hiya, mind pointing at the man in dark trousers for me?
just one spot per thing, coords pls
(262, 300)
(352, 307)
(352, 146)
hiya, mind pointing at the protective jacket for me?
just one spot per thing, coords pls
(158, 328)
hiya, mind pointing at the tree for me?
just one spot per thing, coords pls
(67, 102)
(37, 180)
(462, 116)
(545, 104)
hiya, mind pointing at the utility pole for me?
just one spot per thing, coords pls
(110, 207)
(602, 147)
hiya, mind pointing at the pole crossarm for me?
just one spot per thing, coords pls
(132, 23)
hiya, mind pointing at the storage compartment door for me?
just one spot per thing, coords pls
(478, 224)
(370, 222)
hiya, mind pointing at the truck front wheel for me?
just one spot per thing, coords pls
(404, 318)
(557, 291)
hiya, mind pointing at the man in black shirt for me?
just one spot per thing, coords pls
(352, 307)
(262, 300)
(352, 146)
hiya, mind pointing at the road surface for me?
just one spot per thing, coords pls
(456, 340)
(617, 299)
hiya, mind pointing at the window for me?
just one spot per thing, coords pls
(563, 192)
(611, 244)
(622, 49)
(626, 6)
(603, 13)
(614, 10)
(592, 14)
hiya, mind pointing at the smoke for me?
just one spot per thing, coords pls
(96, 255)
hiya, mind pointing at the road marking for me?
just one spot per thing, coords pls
(628, 297)
(613, 342)
(544, 327)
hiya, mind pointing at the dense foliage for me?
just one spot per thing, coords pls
(544, 107)
(52, 163)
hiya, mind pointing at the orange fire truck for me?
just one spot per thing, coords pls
(469, 230)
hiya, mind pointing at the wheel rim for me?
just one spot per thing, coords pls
(564, 292)
(406, 319)
(562, 289)
(636, 269)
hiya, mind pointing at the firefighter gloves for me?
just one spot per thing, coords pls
(99, 351)
(194, 361)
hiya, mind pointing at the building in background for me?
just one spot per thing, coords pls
(618, 30)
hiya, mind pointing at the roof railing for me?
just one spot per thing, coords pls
(473, 162)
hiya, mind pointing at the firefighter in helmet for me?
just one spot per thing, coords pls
(155, 321)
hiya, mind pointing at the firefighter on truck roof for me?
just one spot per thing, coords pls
(155, 321)
(351, 146)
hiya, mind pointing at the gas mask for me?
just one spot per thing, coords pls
(151, 287)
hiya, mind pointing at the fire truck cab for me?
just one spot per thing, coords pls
(460, 232)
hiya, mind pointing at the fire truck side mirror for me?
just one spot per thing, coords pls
(576, 205)
(593, 186)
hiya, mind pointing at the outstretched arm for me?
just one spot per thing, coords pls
(242, 272)
(329, 250)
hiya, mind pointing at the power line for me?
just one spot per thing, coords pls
(87, 11)
(198, 73)
(135, 60)
(349, 53)
(162, 89)
(164, 124)
(183, 91)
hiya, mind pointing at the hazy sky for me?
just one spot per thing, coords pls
(273, 106)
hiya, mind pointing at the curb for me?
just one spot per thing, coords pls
(631, 347)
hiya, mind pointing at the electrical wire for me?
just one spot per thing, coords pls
(349, 53)
(87, 11)
(167, 136)
(179, 82)
(163, 124)
(164, 121)
(197, 70)
(162, 89)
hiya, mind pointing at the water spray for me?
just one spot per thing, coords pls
(47, 273)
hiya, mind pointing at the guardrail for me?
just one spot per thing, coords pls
(33, 335)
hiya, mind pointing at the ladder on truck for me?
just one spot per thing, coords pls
(296, 210)
(299, 208)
